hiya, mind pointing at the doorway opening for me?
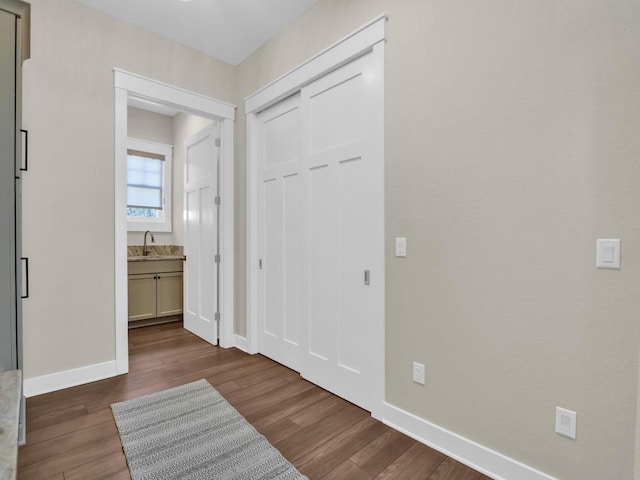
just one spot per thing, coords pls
(132, 90)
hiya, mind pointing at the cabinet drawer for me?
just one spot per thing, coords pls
(155, 266)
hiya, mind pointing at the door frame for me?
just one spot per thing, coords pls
(370, 38)
(127, 85)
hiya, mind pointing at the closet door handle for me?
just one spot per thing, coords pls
(367, 277)
(26, 261)
(26, 151)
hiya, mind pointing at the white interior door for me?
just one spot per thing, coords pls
(321, 224)
(200, 310)
(282, 226)
(343, 161)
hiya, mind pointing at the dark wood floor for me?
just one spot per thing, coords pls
(71, 434)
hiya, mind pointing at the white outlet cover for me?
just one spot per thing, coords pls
(566, 422)
(401, 247)
(418, 373)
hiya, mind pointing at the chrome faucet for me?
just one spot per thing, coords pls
(144, 247)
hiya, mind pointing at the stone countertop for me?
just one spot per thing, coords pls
(10, 392)
(155, 252)
(151, 258)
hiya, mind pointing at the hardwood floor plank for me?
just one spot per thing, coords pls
(281, 430)
(382, 452)
(312, 436)
(290, 389)
(258, 389)
(271, 414)
(71, 434)
(317, 463)
(61, 445)
(71, 458)
(347, 471)
(120, 475)
(102, 468)
(43, 419)
(417, 463)
(449, 469)
(69, 426)
(320, 410)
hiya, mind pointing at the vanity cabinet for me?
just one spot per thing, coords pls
(155, 289)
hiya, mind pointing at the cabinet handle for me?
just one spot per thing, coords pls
(26, 151)
(26, 261)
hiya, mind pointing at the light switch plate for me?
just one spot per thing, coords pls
(401, 247)
(566, 422)
(608, 253)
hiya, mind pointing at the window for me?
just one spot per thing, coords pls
(148, 186)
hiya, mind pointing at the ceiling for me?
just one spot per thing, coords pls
(229, 30)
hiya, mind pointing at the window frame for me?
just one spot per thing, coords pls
(164, 221)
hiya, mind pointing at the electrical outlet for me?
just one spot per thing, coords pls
(418, 373)
(566, 422)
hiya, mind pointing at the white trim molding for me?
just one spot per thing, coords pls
(476, 456)
(68, 378)
(340, 53)
(135, 86)
(179, 98)
(242, 343)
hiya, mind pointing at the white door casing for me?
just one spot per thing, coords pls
(201, 285)
(316, 223)
(127, 85)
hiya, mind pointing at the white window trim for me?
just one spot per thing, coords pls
(162, 224)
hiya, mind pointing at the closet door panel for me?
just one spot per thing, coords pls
(345, 268)
(322, 264)
(294, 257)
(282, 233)
(273, 258)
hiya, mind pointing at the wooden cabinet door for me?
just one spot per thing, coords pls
(169, 294)
(142, 296)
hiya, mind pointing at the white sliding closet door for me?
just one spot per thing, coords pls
(282, 226)
(321, 230)
(343, 162)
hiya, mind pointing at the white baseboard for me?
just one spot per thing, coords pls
(68, 378)
(468, 452)
(242, 343)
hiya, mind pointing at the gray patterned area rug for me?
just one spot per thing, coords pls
(192, 433)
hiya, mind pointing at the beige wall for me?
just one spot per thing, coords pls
(512, 139)
(173, 131)
(512, 143)
(68, 194)
(149, 126)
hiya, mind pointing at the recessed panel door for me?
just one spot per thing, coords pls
(345, 270)
(201, 234)
(282, 223)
